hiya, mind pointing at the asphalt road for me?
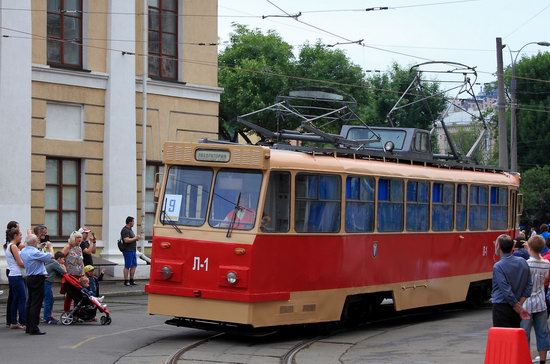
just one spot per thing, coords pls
(435, 336)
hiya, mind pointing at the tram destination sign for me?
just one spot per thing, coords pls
(212, 155)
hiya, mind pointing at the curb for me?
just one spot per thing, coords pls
(57, 296)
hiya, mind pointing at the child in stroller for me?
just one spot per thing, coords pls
(86, 304)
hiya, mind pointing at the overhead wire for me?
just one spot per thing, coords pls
(527, 21)
(386, 7)
(345, 38)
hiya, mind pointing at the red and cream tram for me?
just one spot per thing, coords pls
(258, 237)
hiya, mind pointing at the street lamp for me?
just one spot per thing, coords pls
(513, 141)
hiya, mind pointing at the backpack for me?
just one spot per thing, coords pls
(120, 244)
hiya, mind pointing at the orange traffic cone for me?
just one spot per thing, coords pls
(507, 346)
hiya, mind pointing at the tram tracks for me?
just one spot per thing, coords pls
(178, 354)
(291, 353)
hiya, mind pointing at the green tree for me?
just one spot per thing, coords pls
(385, 90)
(250, 69)
(535, 186)
(533, 112)
(256, 67)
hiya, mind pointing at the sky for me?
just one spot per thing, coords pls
(463, 31)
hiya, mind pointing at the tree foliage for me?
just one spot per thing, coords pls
(533, 112)
(250, 70)
(535, 186)
(256, 67)
(386, 89)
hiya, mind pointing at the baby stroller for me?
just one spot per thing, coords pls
(85, 305)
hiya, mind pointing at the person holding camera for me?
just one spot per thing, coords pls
(41, 232)
(35, 267)
(87, 246)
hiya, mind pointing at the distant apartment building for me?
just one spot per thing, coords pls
(71, 106)
(460, 117)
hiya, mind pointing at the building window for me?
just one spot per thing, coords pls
(317, 203)
(390, 205)
(417, 206)
(150, 200)
(360, 204)
(62, 197)
(65, 33)
(163, 39)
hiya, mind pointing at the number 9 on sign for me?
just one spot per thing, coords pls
(172, 206)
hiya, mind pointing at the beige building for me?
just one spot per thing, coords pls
(71, 78)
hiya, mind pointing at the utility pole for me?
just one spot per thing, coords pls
(502, 129)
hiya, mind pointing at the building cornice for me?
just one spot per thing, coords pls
(45, 73)
(181, 90)
(99, 80)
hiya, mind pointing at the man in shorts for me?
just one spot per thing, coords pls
(129, 252)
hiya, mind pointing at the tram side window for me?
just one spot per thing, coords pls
(276, 215)
(417, 206)
(461, 206)
(186, 196)
(359, 204)
(317, 203)
(390, 205)
(235, 199)
(442, 206)
(499, 208)
(479, 201)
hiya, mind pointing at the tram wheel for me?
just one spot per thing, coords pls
(67, 318)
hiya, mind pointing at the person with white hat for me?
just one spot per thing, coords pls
(87, 245)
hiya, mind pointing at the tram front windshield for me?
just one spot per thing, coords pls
(234, 197)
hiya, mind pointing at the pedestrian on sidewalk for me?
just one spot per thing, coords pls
(11, 224)
(511, 285)
(16, 268)
(129, 252)
(55, 269)
(88, 246)
(73, 262)
(536, 303)
(35, 267)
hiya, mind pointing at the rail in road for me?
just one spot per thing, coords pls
(305, 341)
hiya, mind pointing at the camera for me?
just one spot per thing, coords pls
(45, 239)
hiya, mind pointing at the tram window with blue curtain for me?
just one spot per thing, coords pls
(359, 204)
(442, 206)
(317, 203)
(499, 208)
(390, 205)
(479, 201)
(417, 206)
(461, 207)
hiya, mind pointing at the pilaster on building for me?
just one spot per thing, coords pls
(71, 110)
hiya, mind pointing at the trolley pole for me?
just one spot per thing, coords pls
(502, 129)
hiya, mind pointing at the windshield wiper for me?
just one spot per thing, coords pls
(234, 217)
(171, 222)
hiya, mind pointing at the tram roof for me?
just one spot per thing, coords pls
(285, 159)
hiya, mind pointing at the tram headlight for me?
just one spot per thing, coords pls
(231, 277)
(166, 272)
